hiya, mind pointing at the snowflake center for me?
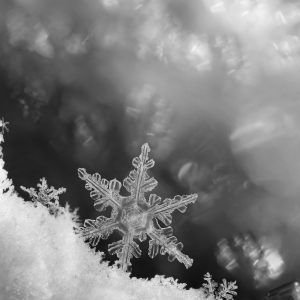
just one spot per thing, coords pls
(134, 219)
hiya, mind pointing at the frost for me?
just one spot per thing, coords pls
(134, 216)
(226, 289)
(47, 196)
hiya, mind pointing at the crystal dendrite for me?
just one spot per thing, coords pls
(134, 216)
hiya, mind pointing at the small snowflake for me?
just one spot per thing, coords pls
(134, 216)
(226, 289)
(47, 196)
(3, 126)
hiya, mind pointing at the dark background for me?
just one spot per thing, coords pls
(86, 83)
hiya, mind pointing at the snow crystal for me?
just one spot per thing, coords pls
(134, 217)
(226, 289)
(47, 196)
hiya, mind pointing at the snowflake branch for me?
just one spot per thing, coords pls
(163, 211)
(125, 249)
(168, 243)
(101, 228)
(138, 181)
(104, 193)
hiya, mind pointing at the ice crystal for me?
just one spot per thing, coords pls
(47, 196)
(3, 126)
(134, 216)
(226, 290)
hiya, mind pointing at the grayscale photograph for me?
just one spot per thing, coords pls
(149, 150)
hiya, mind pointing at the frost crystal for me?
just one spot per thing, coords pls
(226, 289)
(3, 126)
(47, 196)
(133, 216)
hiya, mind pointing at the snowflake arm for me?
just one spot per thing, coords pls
(103, 192)
(163, 241)
(125, 249)
(138, 182)
(101, 228)
(163, 212)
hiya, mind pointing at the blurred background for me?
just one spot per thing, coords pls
(211, 85)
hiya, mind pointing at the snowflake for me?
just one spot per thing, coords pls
(3, 126)
(226, 289)
(46, 196)
(134, 217)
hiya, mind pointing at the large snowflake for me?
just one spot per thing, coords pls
(134, 216)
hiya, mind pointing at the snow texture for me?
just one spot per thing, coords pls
(134, 217)
(42, 258)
